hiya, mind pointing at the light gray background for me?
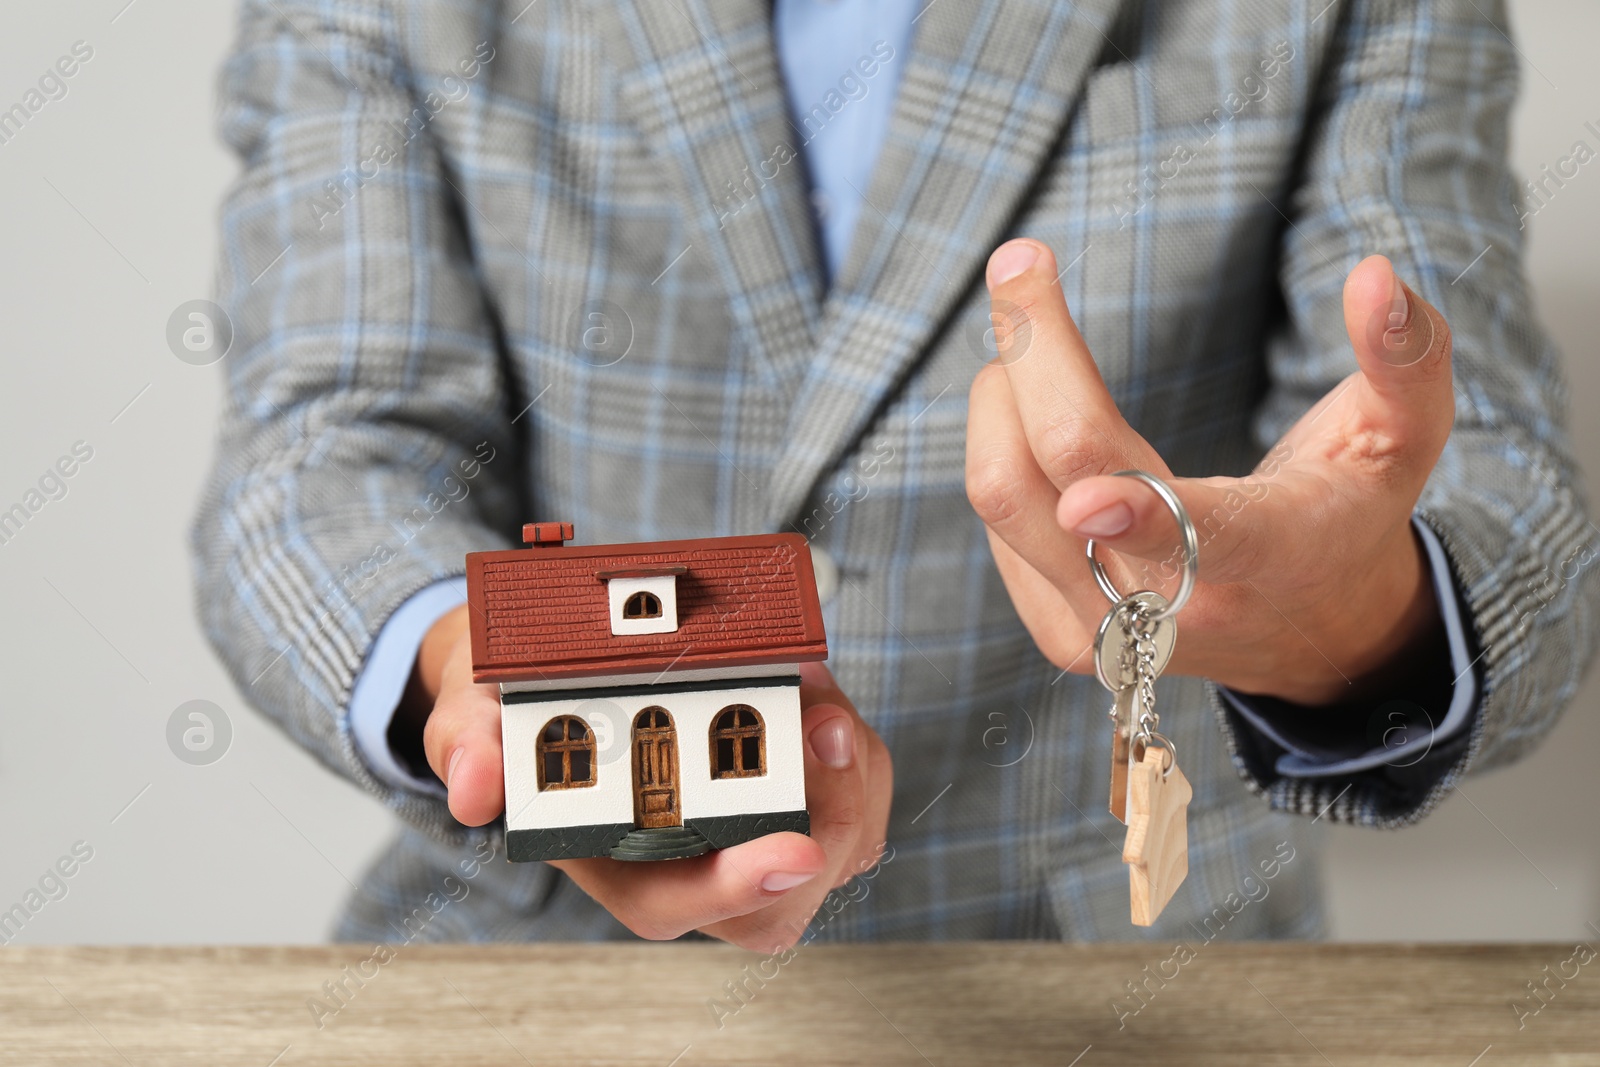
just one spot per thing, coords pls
(110, 201)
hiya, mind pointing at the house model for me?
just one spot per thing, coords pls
(649, 693)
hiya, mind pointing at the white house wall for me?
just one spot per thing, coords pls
(610, 799)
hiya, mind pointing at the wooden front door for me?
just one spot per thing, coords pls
(655, 770)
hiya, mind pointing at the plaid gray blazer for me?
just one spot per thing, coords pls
(569, 242)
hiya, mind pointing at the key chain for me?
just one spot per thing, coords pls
(1148, 791)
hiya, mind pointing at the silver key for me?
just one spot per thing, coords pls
(1121, 750)
(1117, 665)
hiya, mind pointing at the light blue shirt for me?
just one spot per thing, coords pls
(841, 63)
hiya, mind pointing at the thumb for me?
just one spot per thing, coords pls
(1403, 347)
(1238, 522)
(462, 741)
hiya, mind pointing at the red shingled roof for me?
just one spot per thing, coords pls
(542, 612)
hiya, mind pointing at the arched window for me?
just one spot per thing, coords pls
(642, 605)
(654, 717)
(738, 743)
(566, 754)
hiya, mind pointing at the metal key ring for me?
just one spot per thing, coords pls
(1160, 741)
(1191, 550)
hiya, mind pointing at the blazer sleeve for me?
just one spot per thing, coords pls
(366, 442)
(1406, 155)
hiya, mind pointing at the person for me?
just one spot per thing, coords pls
(915, 281)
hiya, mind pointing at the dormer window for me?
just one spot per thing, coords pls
(644, 600)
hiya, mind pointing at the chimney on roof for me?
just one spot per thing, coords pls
(544, 534)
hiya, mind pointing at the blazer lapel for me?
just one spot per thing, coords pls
(986, 94)
(701, 79)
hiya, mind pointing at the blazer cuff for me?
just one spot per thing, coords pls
(383, 676)
(1397, 749)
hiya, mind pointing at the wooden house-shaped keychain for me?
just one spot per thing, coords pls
(649, 693)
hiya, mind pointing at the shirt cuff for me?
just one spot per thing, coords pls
(1397, 734)
(382, 681)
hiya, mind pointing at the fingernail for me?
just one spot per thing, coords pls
(1107, 522)
(783, 881)
(834, 743)
(1010, 260)
(1399, 304)
(450, 768)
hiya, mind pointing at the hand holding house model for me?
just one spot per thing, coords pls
(650, 693)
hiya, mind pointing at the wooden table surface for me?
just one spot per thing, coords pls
(879, 1006)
